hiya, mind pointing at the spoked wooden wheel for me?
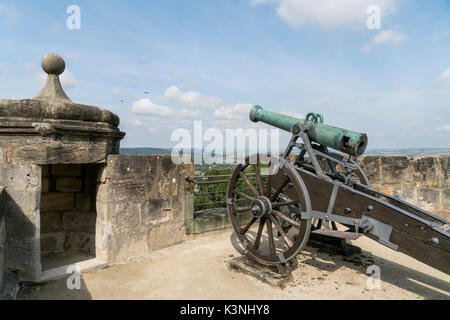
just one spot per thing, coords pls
(275, 197)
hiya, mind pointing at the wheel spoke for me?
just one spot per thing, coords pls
(259, 179)
(282, 204)
(270, 236)
(241, 210)
(243, 195)
(247, 181)
(285, 218)
(280, 229)
(244, 231)
(269, 186)
(259, 234)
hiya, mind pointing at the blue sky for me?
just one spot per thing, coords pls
(212, 60)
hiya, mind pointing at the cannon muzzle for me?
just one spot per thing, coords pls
(349, 142)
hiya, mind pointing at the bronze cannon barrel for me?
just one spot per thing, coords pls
(349, 142)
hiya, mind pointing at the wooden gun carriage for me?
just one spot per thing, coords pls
(323, 189)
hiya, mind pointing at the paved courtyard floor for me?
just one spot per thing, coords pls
(198, 269)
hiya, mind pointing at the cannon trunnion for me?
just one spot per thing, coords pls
(320, 191)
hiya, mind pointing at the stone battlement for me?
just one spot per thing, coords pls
(422, 181)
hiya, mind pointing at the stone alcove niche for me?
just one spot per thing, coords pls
(68, 214)
(52, 152)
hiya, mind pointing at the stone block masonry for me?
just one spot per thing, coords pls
(422, 181)
(2, 239)
(68, 212)
(140, 206)
(21, 212)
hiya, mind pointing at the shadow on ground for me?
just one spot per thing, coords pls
(27, 291)
(396, 274)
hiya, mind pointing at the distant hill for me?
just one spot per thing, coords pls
(410, 152)
(144, 151)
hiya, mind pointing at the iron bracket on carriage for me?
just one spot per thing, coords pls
(323, 195)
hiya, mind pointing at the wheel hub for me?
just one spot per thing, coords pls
(261, 207)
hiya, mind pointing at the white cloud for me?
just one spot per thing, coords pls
(236, 112)
(147, 107)
(444, 77)
(192, 98)
(329, 13)
(385, 37)
(188, 113)
(389, 36)
(9, 14)
(445, 128)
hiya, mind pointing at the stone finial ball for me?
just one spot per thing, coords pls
(53, 64)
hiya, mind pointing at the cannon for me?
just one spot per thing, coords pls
(291, 201)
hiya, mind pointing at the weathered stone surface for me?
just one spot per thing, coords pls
(77, 221)
(21, 178)
(45, 185)
(81, 241)
(144, 198)
(445, 196)
(68, 184)
(372, 166)
(105, 241)
(53, 242)
(394, 168)
(127, 217)
(422, 181)
(90, 186)
(45, 170)
(2, 240)
(67, 140)
(83, 202)
(67, 170)
(66, 153)
(57, 201)
(426, 172)
(51, 222)
(131, 246)
(24, 256)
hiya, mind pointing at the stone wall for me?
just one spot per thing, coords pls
(141, 204)
(22, 200)
(422, 181)
(2, 238)
(68, 209)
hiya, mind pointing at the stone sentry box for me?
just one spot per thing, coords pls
(52, 151)
(64, 186)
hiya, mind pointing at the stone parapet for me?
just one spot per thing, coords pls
(422, 181)
(140, 206)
